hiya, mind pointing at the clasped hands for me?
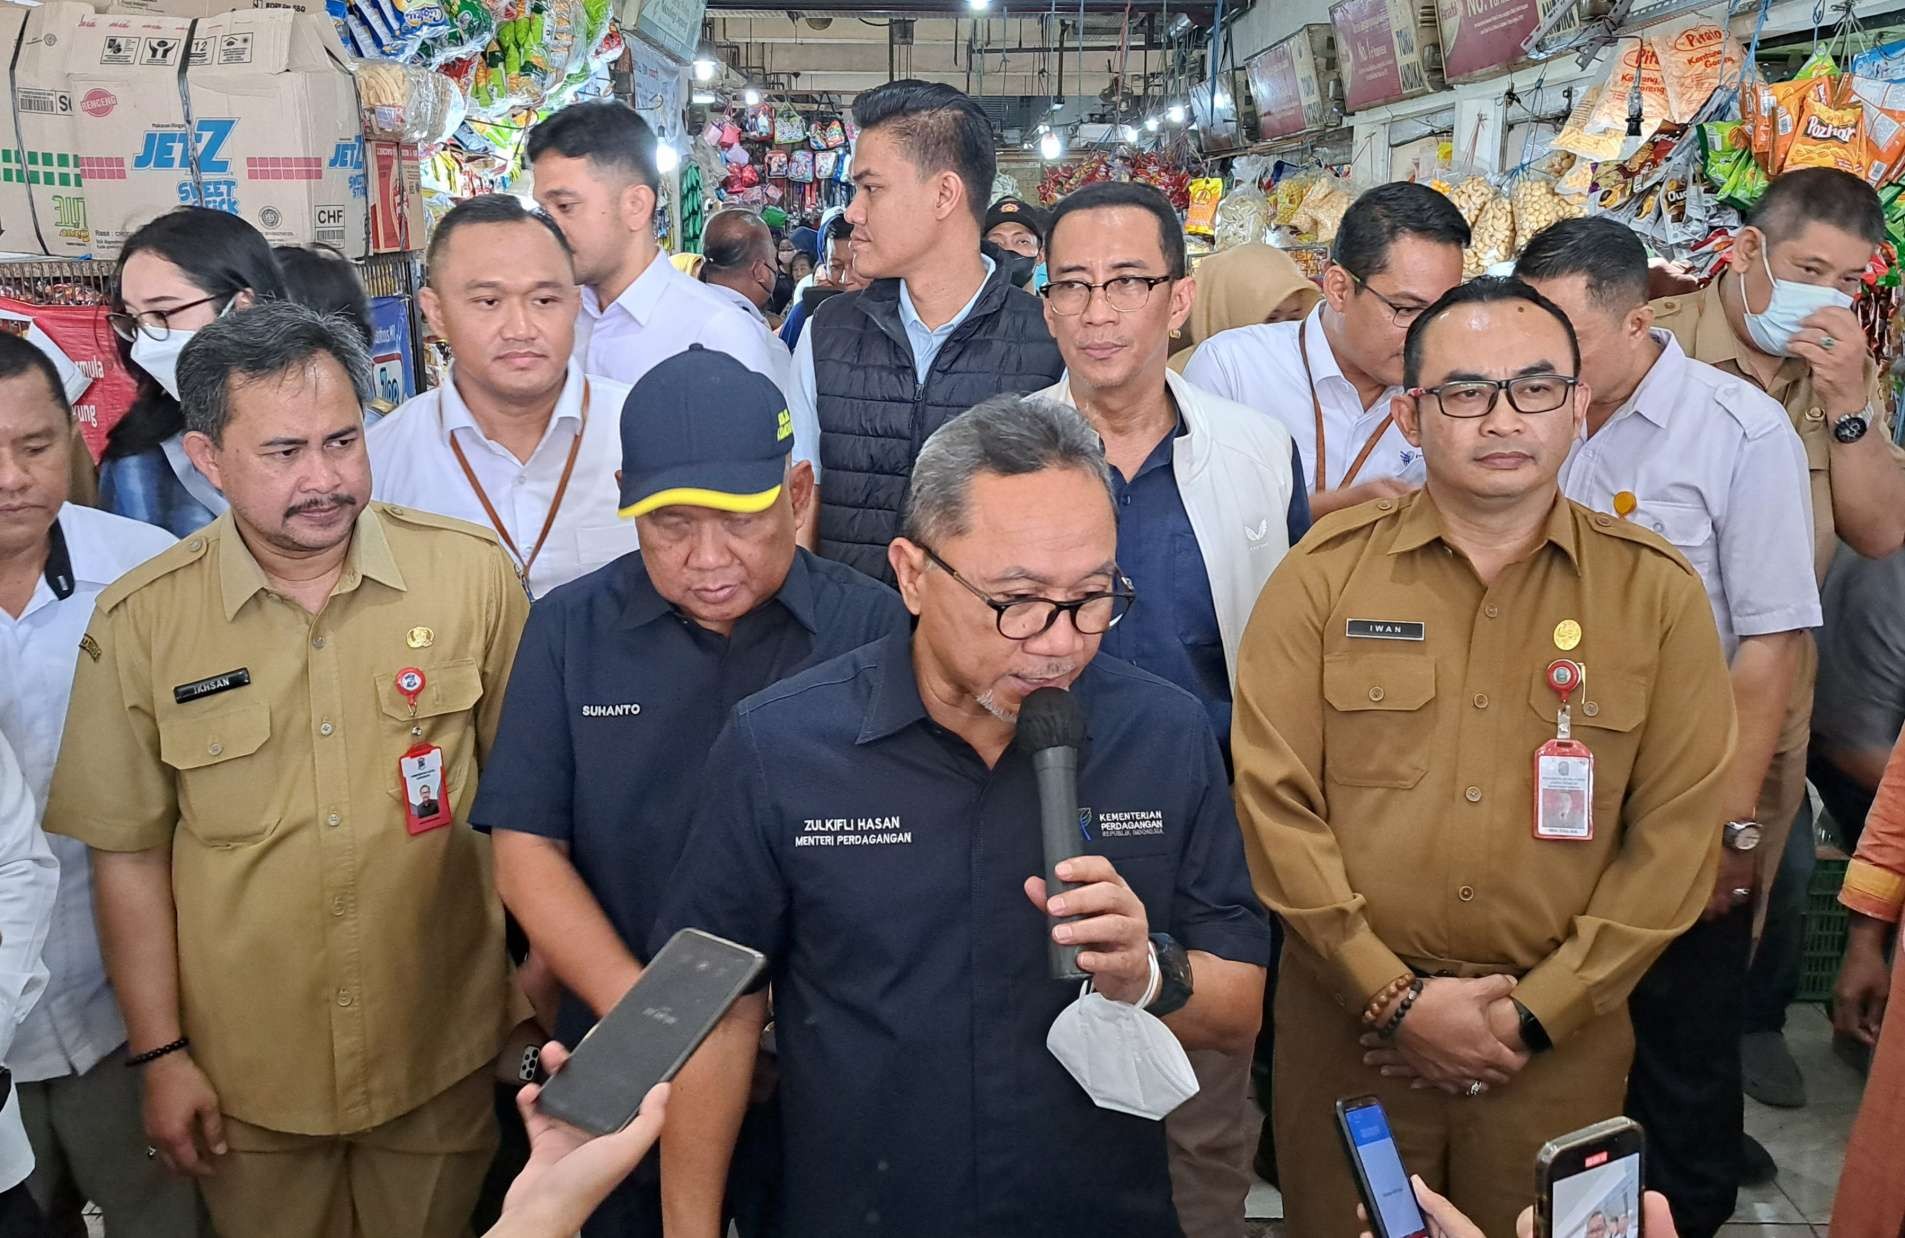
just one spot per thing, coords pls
(1457, 1034)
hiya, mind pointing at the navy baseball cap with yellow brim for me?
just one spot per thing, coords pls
(703, 430)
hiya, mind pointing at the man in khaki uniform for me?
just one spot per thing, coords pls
(1393, 691)
(1779, 317)
(313, 977)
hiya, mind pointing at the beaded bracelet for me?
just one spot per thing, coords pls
(1394, 1024)
(153, 1055)
(1388, 993)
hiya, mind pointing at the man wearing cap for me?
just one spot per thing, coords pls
(626, 674)
(1018, 228)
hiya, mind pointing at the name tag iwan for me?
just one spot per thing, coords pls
(1387, 629)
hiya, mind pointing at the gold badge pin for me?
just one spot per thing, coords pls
(420, 638)
(1567, 634)
(1625, 503)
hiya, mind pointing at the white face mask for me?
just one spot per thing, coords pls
(1793, 302)
(1123, 1056)
(160, 358)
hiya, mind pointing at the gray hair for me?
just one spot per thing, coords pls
(270, 339)
(1008, 436)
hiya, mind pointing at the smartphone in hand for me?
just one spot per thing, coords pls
(1388, 1196)
(653, 1030)
(1589, 1182)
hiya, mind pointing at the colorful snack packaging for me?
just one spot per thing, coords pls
(1828, 137)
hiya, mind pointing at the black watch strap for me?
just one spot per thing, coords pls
(1174, 970)
(1533, 1034)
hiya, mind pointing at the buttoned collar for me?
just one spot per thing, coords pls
(1661, 387)
(642, 603)
(910, 316)
(640, 298)
(1322, 357)
(895, 703)
(740, 299)
(453, 414)
(369, 557)
(1421, 523)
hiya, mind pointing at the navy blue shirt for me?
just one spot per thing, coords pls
(880, 865)
(1172, 629)
(613, 701)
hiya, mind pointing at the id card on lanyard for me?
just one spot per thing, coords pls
(523, 563)
(1564, 768)
(1316, 406)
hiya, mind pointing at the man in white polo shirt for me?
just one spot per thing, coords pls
(1329, 378)
(519, 440)
(737, 265)
(80, 1106)
(595, 173)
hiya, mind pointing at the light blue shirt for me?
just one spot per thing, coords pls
(925, 342)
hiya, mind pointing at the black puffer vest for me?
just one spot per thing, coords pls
(874, 413)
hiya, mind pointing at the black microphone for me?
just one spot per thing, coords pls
(1052, 728)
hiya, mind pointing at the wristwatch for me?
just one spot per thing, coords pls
(1174, 966)
(1851, 427)
(1533, 1035)
(1741, 835)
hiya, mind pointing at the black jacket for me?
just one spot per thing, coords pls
(874, 413)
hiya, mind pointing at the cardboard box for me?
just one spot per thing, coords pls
(396, 197)
(263, 124)
(207, 8)
(42, 194)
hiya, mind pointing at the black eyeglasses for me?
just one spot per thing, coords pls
(1475, 397)
(156, 324)
(1125, 293)
(1024, 618)
(1402, 315)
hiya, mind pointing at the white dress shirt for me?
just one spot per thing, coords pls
(77, 1021)
(1715, 468)
(1261, 367)
(657, 316)
(29, 884)
(412, 464)
(779, 358)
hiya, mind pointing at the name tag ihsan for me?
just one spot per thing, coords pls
(212, 686)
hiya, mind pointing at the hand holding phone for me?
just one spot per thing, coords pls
(651, 1032)
(1589, 1182)
(1389, 1199)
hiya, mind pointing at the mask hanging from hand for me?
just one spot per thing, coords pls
(1124, 1057)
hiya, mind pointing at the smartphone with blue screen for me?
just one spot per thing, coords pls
(1388, 1197)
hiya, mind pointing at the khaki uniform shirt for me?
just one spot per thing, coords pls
(335, 972)
(1385, 786)
(1699, 322)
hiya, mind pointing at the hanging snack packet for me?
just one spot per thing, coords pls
(1829, 137)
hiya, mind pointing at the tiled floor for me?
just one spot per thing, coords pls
(1808, 1145)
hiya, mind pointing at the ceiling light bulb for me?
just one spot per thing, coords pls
(667, 158)
(705, 69)
(978, 5)
(1175, 113)
(1051, 146)
(1151, 124)
(751, 97)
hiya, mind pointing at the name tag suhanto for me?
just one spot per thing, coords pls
(1387, 629)
(187, 692)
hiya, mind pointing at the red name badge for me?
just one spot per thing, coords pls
(1564, 769)
(426, 805)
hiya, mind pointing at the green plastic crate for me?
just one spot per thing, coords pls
(1825, 933)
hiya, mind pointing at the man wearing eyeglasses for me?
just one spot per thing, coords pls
(1331, 377)
(870, 826)
(1207, 502)
(1481, 740)
(1709, 462)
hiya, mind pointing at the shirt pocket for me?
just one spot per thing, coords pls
(1380, 722)
(1196, 611)
(444, 716)
(225, 798)
(1607, 716)
(1688, 526)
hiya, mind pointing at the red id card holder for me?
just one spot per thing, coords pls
(1564, 769)
(426, 803)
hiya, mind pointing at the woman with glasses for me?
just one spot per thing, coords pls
(177, 275)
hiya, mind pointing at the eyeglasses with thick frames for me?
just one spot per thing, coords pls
(156, 324)
(1024, 618)
(1401, 315)
(1528, 394)
(1125, 293)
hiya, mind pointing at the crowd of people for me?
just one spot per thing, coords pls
(1445, 653)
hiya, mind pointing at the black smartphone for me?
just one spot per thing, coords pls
(1388, 1197)
(1588, 1183)
(657, 1026)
